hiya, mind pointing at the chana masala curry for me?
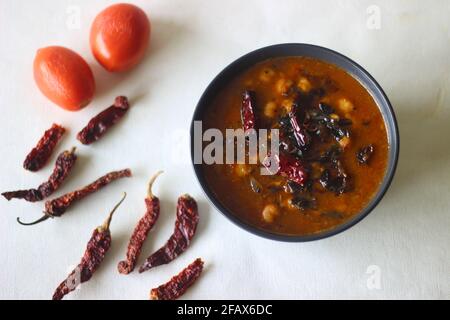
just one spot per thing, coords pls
(333, 146)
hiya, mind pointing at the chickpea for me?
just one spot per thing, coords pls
(304, 84)
(270, 109)
(287, 104)
(283, 85)
(270, 213)
(266, 75)
(344, 142)
(345, 105)
(334, 116)
(286, 203)
(242, 170)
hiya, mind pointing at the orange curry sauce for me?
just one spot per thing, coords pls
(276, 83)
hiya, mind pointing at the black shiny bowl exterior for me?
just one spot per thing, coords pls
(327, 55)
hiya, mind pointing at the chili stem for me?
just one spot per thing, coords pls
(150, 184)
(41, 219)
(105, 225)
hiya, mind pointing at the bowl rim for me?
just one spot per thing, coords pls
(374, 89)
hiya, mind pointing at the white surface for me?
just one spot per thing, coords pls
(406, 237)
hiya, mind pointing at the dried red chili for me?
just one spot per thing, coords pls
(39, 156)
(98, 125)
(64, 163)
(96, 249)
(57, 207)
(141, 230)
(178, 285)
(247, 111)
(287, 166)
(185, 227)
(301, 136)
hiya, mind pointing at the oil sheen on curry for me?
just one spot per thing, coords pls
(333, 146)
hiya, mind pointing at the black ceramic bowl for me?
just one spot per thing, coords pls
(324, 54)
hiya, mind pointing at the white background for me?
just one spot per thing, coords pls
(406, 238)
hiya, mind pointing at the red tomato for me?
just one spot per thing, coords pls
(120, 36)
(64, 77)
